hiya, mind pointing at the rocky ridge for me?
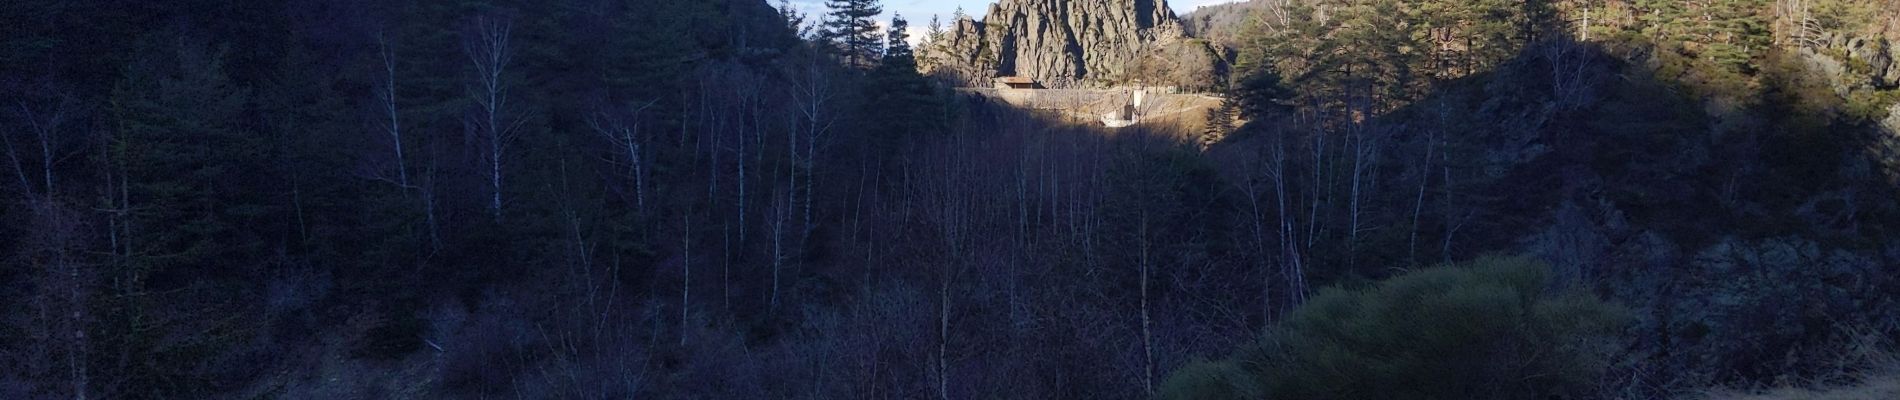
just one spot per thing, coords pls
(1220, 23)
(1075, 43)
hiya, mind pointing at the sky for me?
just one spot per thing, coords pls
(919, 11)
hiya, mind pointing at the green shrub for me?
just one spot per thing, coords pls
(1493, 328)
(1210, 381)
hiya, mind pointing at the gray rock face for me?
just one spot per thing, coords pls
(1886, 67)
(1062, 43)
(963, 52)
(1878, 53)
(1878, 57)
(1893, 121)
(1220, 23)
(1892, 140)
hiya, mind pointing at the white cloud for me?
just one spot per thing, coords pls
(915, 31)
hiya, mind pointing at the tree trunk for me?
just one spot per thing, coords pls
(394, 123)
(490, 53)
(1418, 203)
(686, 284)
(1147, 333)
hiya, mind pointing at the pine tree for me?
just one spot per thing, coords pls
(1728, 33)
(190, 172)
(1539, 20)
(903, 100)
(930, 52)
(182, 150)
(1220, 123)
(1261, 94)
(794, 20)
(1497, 28)
(898, 54)
(851, 29)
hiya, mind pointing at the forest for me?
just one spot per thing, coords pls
(711, 199)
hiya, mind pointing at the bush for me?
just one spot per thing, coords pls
(1210, 381)
(1493, 328)
(1760, 311)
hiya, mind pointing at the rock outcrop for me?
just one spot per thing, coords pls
(1865, 67)
(1877, 55)
(1067, 43)
(1220, 23)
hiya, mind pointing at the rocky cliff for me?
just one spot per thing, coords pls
(1220, 23)
(1073, 43)
(1864, 68)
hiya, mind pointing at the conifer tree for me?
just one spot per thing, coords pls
(898, 51)
(794, 20)
(905, 101)
(929, 52)
(851, 29)
(1220, 123)
(1728, 33)
(189, 171)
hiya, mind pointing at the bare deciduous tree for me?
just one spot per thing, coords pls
(814, 97)
(494, 125)
(1365, 153)
(1290, 262)
(686, 283)
(42, 130)
(777, 216)
(386, 97)
(624, 133)
(58, 306)
(1418, 201)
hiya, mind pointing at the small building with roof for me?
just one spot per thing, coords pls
(1017, 82)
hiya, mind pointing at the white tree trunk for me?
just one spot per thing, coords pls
(19, 166)
(43, 124)
(490, 53)
(393, 125)
(686, 284)
(1257, 218)
(1418, 203)
(779, 209)
(1147, 333)
(1290, 261)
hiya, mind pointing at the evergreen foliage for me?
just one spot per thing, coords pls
(1262, 94)
(904, 102)
(1490, 329)
(850, 27)
(1210, 380)
(186, 160)
(287, 198)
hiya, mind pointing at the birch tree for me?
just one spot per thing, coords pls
(1365, 142)
(392, 119)
(1424, 180)
(777, 217)
(814, 98)
(686, 281)
(58, 306)
(495, 124)
(39, 140)
(1289, 243)
(955, 209)
(623, 132)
